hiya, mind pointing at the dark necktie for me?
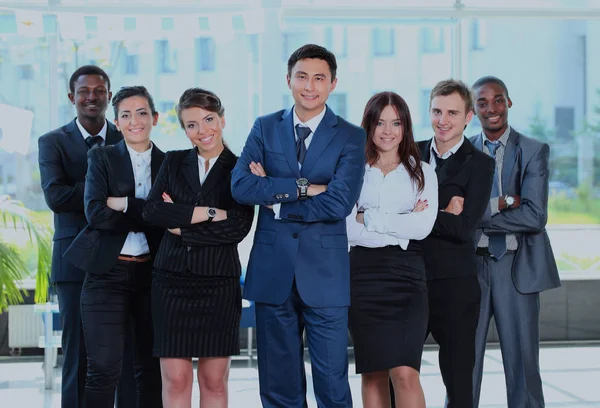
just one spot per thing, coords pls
(497, 245)
(439, 162)
(302, 132)
(94, 141)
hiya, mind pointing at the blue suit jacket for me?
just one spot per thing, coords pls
(309, 242)
(525, 173)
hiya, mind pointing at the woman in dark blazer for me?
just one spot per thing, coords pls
(196, 297)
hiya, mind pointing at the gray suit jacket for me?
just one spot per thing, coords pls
(525, 173)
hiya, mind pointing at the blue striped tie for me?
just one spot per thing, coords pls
(497, 243)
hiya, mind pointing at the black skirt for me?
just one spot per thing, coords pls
(195, 316)
(389, 307)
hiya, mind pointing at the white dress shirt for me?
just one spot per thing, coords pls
(388, 202)
(136, 242)
(86, 134)
(312, 124)
(203, 173)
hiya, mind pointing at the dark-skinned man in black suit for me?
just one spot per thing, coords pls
(63, 165)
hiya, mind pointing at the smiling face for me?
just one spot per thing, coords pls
(448, 119)
(311, 84)
(491, 107)
(90, 96)
(388, 132)
(135, 120)
(204, 129)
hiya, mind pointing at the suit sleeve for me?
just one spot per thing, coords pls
(342, 190)
(230, 231)
(249, 189)
(166, 215)
(531, 216)
(462, 227)
(98, 214)
(61, 195)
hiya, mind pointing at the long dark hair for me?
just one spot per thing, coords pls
(408, 151)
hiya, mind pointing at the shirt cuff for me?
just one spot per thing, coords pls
(277, 210)
(126, 204)
(374, 221)
(494, 205)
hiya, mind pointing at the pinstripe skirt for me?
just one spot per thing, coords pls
(195, 316)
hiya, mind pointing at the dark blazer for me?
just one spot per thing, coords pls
(449, 250)
(525, 173)
(207, 248)
(110, 174)
(63, 165)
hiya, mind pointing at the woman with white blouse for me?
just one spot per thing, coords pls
(397, 207)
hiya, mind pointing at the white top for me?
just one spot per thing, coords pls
(136, 242)
(86, 134)
(203, 173)
(312, 124)
(388, 202)
(435, 152)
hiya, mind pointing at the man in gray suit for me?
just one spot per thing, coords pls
(515, 259)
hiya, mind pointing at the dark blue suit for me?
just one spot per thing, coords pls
(299, 273)
(63, 166)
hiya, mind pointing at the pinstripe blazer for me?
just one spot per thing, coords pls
(207, 248)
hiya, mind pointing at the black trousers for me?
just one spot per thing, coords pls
(109, 302)
(453, 316)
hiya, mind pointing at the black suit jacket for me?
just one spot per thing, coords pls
(63, 165)
(110, 174)
(449, 249)
(207, 248)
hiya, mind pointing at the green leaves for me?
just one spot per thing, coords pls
(16, 217)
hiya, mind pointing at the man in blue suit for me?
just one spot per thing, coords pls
(515, 259)
(304, 166)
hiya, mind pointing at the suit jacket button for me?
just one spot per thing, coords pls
(295, 235)
(287, 196)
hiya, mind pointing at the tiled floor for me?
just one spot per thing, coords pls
(571, 377)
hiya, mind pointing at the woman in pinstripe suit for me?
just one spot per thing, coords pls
(196, 299)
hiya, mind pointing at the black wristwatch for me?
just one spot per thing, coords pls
(302, 184)
(212, 213)
(509, 201)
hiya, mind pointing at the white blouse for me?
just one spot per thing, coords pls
(388, 202)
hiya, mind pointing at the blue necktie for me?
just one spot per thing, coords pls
(303, 132)
(497, 243)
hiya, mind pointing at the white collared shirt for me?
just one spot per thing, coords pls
(86, 134)
(136, 242)
(312, 124)
(388, 202)
(435, 151)
(203, 173)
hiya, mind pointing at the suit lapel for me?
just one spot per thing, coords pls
(189, 168)
(454, 162)
(113, 136)
(77, 142)
(287, 138)
(425, 147)
(510, 158)
(320, 139)
(123, 170)
(156, 159)
(224, 164)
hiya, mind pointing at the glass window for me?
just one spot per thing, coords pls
(166, 57)
(383, 42)
(432, 39)
(336, 40)
(205, 54)
(132, 63)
